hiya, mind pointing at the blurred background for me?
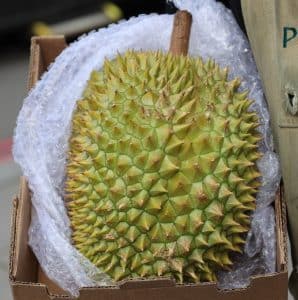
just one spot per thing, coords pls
(19, 20)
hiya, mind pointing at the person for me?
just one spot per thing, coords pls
(272, 29)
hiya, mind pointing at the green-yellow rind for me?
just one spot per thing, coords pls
(161, 171)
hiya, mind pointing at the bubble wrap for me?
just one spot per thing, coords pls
(43, 128)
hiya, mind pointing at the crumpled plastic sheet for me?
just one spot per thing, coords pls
(43, 127)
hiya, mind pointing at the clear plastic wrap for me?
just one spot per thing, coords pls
(43, 127)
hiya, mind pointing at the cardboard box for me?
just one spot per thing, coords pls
(29, 282)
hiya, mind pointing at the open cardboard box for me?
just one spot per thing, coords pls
(29, 282)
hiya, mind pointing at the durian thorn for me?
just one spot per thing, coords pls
(237, 249)
(239, 240)
(110, 237)
(160, 270)
(191, 273)
(177, 265)
(227, 267)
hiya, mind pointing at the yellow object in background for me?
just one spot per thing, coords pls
(112, 11)
(41, 28)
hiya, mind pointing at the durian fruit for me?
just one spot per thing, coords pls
(161, 172)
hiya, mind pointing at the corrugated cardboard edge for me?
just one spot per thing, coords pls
(13, 227)
(43, 52)
(281, 231)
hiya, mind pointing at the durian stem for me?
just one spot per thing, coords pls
(181, 33)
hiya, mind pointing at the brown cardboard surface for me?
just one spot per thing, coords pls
(29, 282)
(53, 288)
(25, 264)
(43, 52)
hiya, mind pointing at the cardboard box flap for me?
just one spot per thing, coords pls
(43, 52)
(24, 264)
(260, 288)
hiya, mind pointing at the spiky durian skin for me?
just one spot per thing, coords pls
(161, 172)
